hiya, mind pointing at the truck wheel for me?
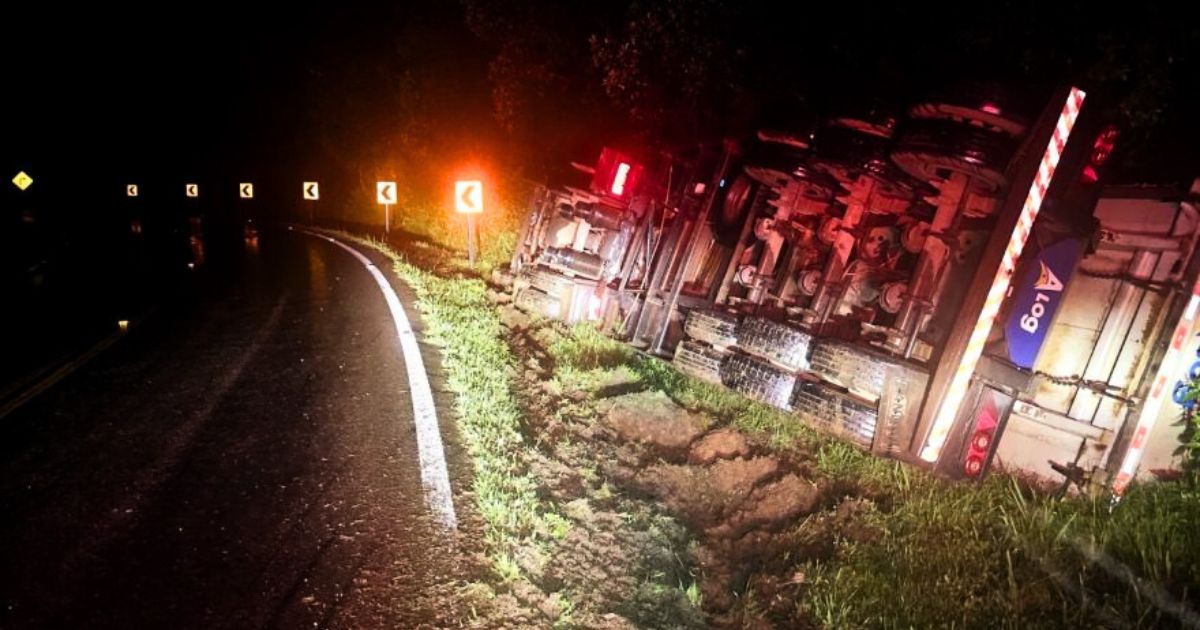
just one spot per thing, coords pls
(712, 327)
(699, 361)
(849, 367)
(929, 148)
(846, 146)
(778, 343)
(758, 380)
(730, 215)
(983, 105)
(553, 284)
(775, 155)
(834, 412)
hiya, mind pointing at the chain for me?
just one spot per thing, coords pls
(1157, 287)
(1099, 387)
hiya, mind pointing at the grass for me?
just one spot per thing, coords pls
(693, 594)
(992, 554)
(497, 232)
(995, 554)
(479, 370)
(506, 568)
(960, 555)
(583, 355)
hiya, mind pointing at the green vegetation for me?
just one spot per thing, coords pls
(478, 364)
(993, 554)
(584, 355)
(481, 371)
(497, 232)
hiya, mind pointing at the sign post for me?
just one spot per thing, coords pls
(385, 193)
(468, 200)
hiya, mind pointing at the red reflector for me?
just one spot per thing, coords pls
(973, 466)
(618, 184)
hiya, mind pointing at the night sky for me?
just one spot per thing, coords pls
(159, 88)
(169, 92)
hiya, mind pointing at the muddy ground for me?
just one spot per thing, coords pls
(674, 520)
(661, 517)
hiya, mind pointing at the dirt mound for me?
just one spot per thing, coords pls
(514, 319)
(654, 420)
(770, 506)
(702, 496)
(665, 516)
(724, 443)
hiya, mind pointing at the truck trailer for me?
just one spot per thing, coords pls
(953, 286)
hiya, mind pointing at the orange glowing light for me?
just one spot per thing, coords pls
(385, 193)
(468, 196)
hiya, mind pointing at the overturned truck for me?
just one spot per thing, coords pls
(953, 287)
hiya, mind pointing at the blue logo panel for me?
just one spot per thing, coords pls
(1036, 298)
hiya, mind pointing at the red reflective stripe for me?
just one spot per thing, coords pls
(1139, 438)
(1180, 337)
(1158, 387)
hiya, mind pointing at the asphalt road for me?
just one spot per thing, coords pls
(245, 458)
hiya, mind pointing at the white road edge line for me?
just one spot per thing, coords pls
(434, 477)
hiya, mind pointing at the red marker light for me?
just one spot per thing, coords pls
(616, 175)
(1102, 149)
(618, 184)
(990, 108)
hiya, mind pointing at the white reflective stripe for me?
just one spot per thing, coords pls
(1172, 363)
(956, 390)
(435, 479)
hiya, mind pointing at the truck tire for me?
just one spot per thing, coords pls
(729, 216)
(778, 343)
(549, 282)
(849, 145)
(983, 105)
(895, 183)
(712, 327)
(758, 380)
(834, 412)
(928, 148)
(699, 361)
(772, 159)
(845, 365)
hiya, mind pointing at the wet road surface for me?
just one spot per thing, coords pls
(244, 459)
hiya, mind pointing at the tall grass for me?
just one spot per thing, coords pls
(497, 231)
(959, 555)
(999, 555)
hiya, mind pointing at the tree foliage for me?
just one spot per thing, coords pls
(682, 70)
